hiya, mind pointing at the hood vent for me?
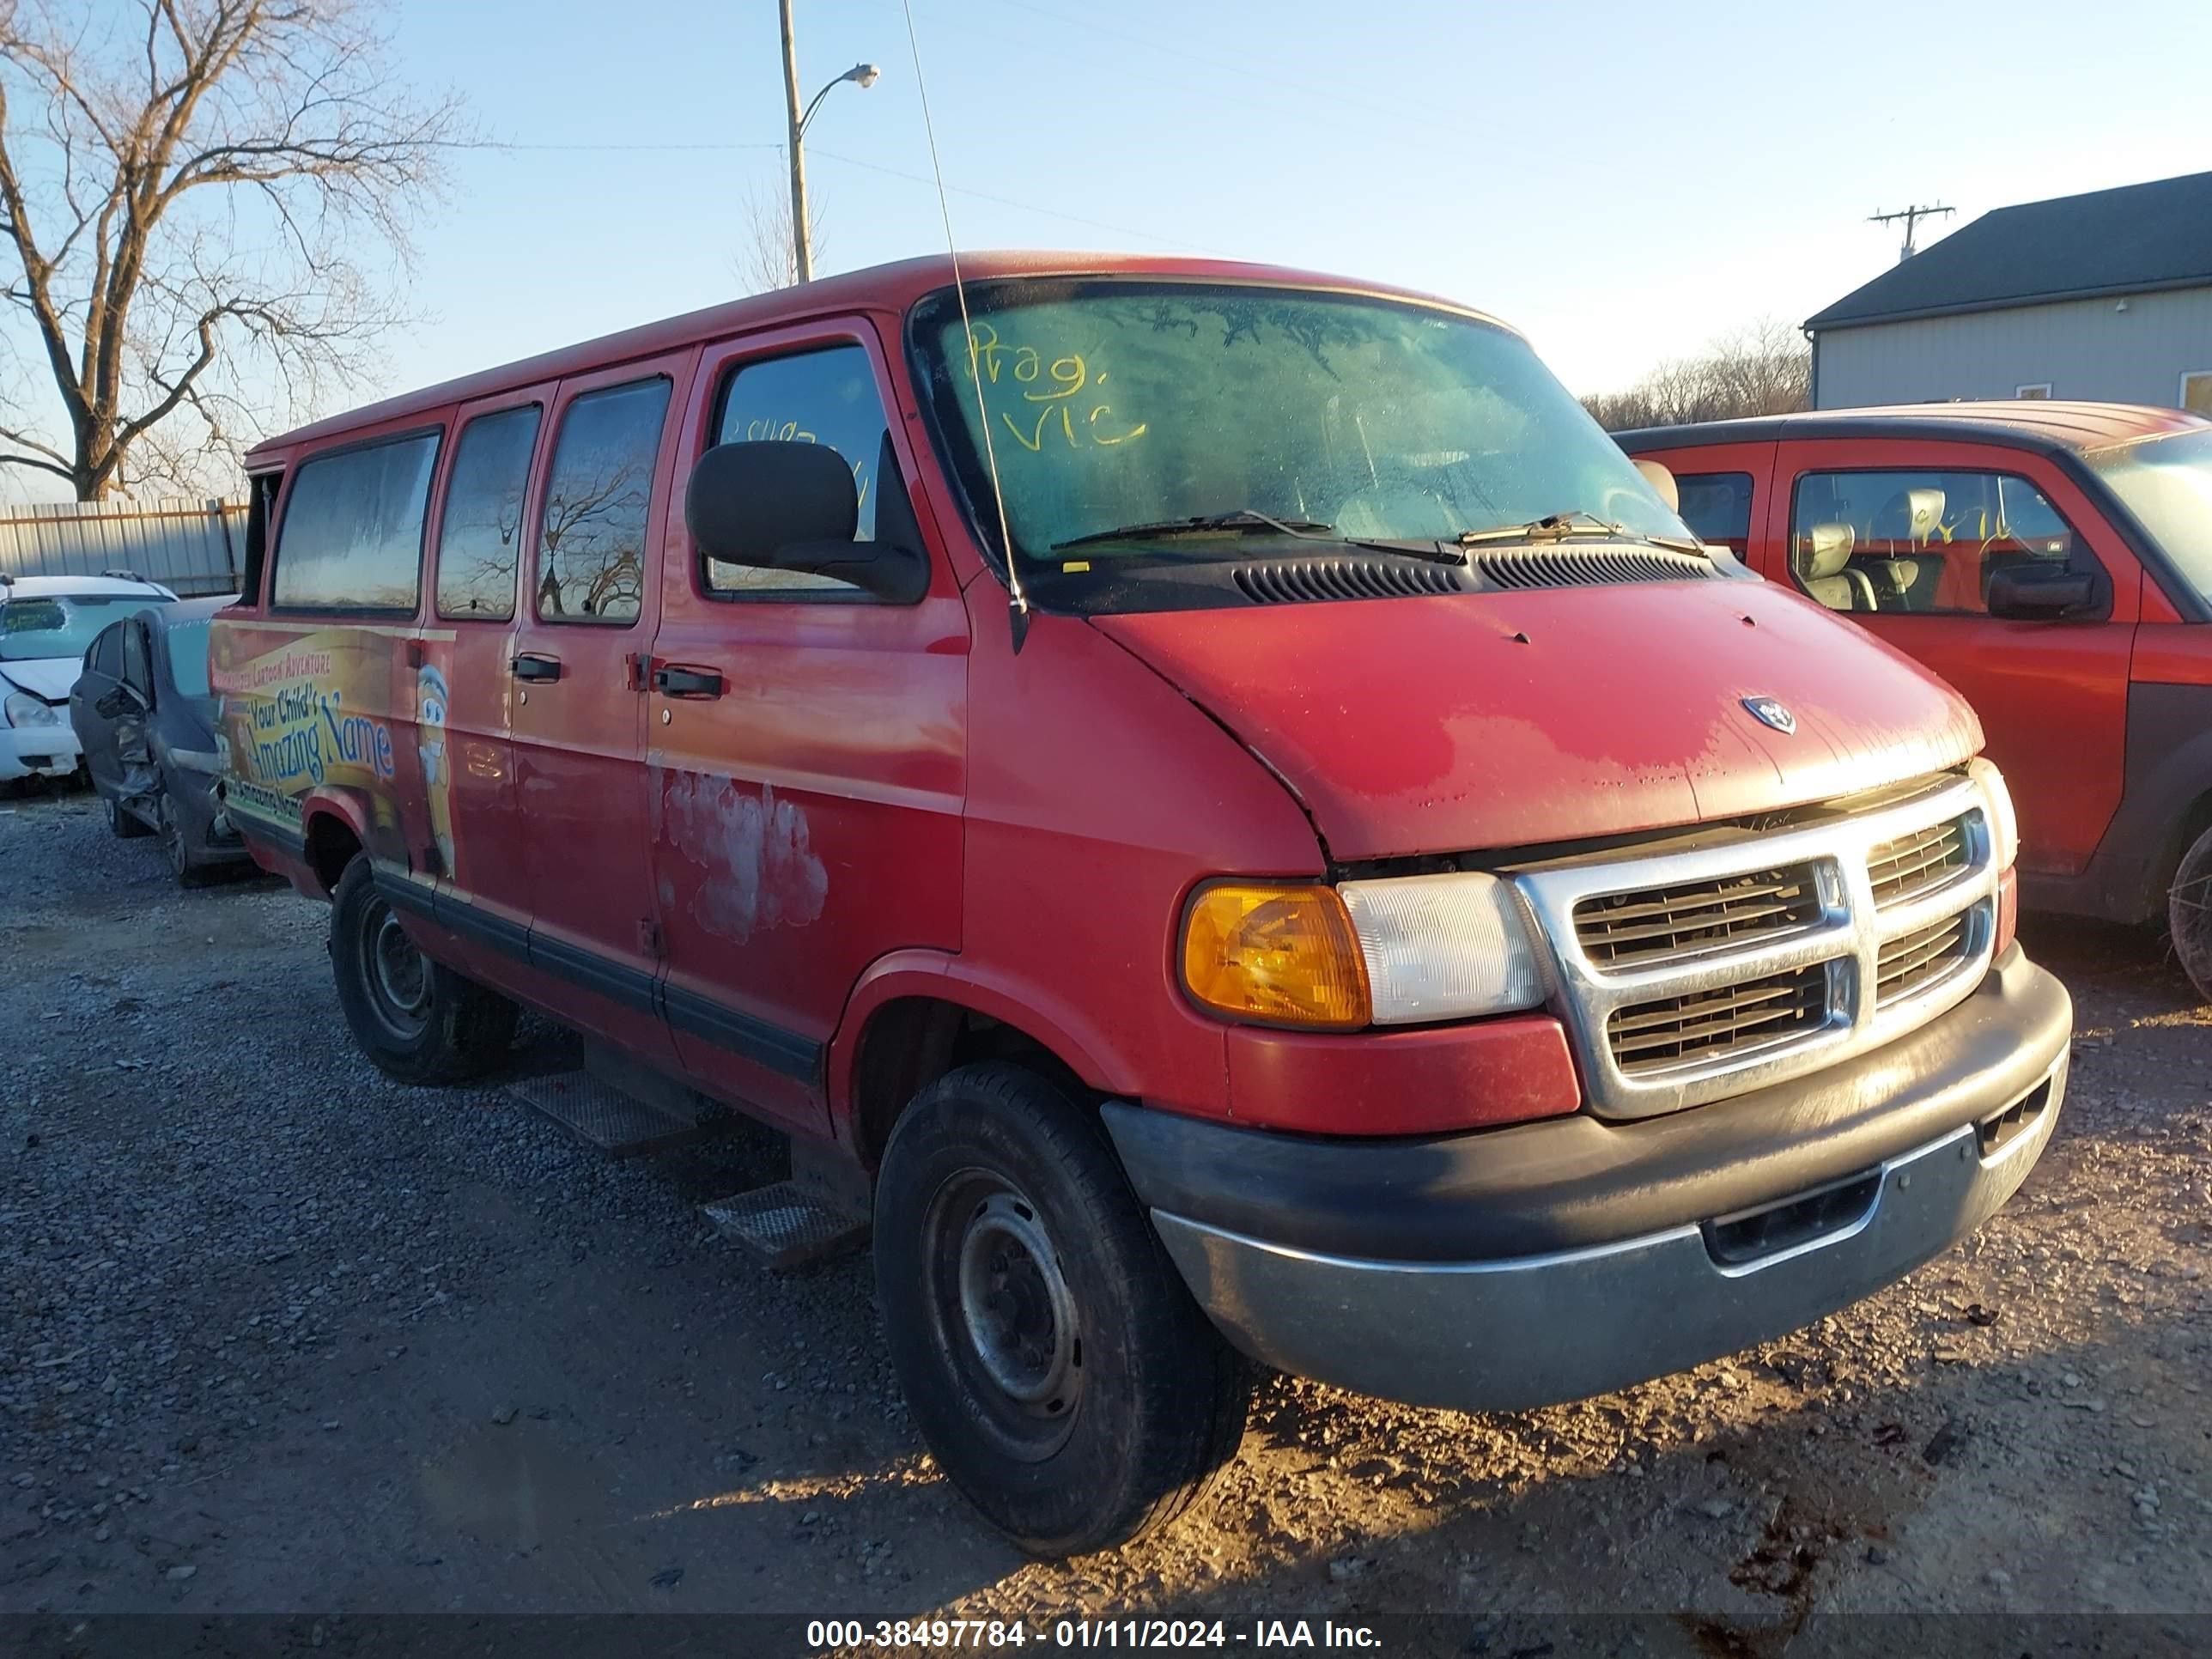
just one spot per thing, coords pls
(1291, 582)
(1588, 567)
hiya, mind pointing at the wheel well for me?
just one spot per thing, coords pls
(911, 1043)
(332, 846)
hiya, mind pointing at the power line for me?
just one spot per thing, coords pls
(874, 166)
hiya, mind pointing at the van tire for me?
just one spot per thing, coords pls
(986, 1163)
(417, 1019)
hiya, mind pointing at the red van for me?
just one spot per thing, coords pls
(2053, 561)
(1220, 813)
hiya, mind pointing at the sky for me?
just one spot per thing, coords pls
(1619, 182)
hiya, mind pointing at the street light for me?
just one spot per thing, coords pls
(863, 75)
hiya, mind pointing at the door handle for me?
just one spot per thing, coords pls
(688, 682)
(536, 668)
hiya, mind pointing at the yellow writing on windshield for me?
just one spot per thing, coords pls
(1055, 386)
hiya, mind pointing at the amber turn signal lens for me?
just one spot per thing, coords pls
(1286, 955)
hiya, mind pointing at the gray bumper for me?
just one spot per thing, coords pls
(1538, 1330)
(1512, 1330)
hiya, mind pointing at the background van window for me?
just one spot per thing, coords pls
(352, 534)
(1717, 507)
(1921, 541)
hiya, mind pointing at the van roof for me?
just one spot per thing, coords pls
(2026, 423)
(878, 288)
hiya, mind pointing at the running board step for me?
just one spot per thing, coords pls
(595, 1111)
(788, 1225)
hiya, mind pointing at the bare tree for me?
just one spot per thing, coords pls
(198, 194)
(1765, 368)
(765, 259)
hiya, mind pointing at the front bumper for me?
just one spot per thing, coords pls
(38, 752)
(1551, 1262)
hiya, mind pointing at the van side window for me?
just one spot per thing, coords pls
(825, 396)
(352, 535)
(480, 539)
(591, 541)
(1717, 507)
(261, 501)
(1923, 542)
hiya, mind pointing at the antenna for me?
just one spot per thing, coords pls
(1018, 602)
(1912, 217)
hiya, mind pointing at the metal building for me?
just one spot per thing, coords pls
(2107, 295)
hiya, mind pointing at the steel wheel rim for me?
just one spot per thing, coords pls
(1007, 1321)
(397, 977)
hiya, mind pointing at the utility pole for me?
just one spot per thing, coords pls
(802, 256)
(1912, 215)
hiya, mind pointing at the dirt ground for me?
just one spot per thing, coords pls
(278, 1336)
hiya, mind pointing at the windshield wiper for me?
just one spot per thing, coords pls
(1242, 520)
(1558, 526)
(1246, 520)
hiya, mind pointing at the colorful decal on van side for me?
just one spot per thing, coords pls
(355, 710)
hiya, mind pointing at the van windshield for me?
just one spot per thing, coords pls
(2166, 482)
(1120, 404)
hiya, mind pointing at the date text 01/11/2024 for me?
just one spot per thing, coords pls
(933, 1634)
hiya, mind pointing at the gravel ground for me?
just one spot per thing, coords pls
(282, 1336)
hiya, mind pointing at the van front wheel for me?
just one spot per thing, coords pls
(417, 1019)
(1050, 1354)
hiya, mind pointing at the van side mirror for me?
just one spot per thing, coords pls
(780, 506)
(115, 703)
(2025, 593)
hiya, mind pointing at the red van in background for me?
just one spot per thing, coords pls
(2053, 561)
(1214, 806)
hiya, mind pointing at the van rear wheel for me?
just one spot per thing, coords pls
(417, 1019)
(1051, 1355)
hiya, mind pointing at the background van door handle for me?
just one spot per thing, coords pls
(536, 668)
(688, 682)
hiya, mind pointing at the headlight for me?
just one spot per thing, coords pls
(2004, 825)
(24, 709)
(1442, 947)
(1399, 952)
(1285, 955)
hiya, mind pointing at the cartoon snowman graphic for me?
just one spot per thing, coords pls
(437, 768)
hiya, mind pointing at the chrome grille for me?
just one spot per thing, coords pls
(1669, 924)
(1686, 975)
(1918, 863)
(1911, 962)
(1729, 1019)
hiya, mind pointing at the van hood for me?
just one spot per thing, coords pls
(1472, 721)
(51, 677)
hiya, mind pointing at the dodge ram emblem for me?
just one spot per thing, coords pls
(1768, 711)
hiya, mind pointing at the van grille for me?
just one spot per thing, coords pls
(1705, 1026)
(1666, 924)
(1913, 960)
(1918, 863)
(1588, 567)
(1293, 581)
